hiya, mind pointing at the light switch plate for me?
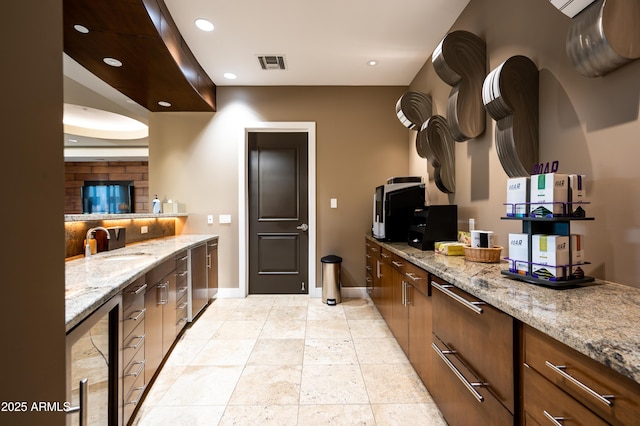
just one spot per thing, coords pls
(334, 203)
(225, 218)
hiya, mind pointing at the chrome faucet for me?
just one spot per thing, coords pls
(90, 234)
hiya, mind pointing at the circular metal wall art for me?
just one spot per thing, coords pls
(413, 109)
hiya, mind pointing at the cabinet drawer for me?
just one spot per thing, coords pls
(372, 248)
(418, 277)
(133, 398)
(133, 294)
(543, 401)
(481, 335)
(585, 379)
(182, 284)
(385, 255)
(133, 343)
(133, 316)
(132, 371)
(459, 398)
(182, 262)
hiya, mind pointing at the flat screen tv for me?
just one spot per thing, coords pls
(107, 197)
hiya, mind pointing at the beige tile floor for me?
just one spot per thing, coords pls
(288, 360)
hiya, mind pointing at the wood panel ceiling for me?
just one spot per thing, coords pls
(157, 63)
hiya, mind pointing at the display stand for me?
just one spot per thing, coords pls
(559, 225)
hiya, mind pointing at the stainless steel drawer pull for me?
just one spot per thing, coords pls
(470, 386)
(554, 420)
(139, 290)
(373, 249)
(140, 341)
(184, 305)
(140, 370)
(213, 245)
(467, 304)
(368, 256)
(182, 322)
(369, 268)
(137, 400)
(137, 317)
(182, 259)
(182, 274)
(397, 264)
(414, 277)
(385, 256)
(559, 369)
(82, 407)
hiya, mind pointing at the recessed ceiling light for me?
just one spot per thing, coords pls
(230, 76)
(81, 28)
(164, 104)
(112, 62)
(204, 24)
(372, 63)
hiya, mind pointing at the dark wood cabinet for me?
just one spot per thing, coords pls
(199, 292)
(160, 314)
(212, 268)
(420, 322)
(551, 368)
(473, 352)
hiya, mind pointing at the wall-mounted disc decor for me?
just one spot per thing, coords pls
(604, 36)
(461, 61)
(510, 96)
(413, 109)
(435, 143)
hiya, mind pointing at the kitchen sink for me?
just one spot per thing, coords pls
(125, 256)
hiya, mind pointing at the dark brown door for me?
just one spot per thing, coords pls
(278, 213)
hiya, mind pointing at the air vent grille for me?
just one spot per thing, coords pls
(272, 62)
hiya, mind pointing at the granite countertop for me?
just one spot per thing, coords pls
(90, 282)
(106, 216)
(600, 320)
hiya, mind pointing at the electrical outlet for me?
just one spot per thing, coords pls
(144, 229)
(210, 219)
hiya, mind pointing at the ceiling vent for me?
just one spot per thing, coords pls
(272, 62)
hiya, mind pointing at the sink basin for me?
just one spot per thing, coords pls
(124, 256)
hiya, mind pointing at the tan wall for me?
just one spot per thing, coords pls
(193, 158)
(590, 125)
(32, 315)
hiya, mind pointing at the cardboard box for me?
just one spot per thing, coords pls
(577, 254)
(577, 195)
(449, 248)
(519, 253)
(550, 256)
(518, 197)
(549, 194)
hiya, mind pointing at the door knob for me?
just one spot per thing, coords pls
(304, 227)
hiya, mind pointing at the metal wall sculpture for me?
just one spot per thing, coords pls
(604, 36)
(435, 143)
(413, 109)
(510, 95)
(461, 61)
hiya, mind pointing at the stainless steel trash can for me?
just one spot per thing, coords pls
(331, 279)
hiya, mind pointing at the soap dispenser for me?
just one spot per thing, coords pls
(155, 205)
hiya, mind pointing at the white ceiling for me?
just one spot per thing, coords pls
(324, 42)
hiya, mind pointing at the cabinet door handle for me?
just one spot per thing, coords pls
(182, 259)
(559, 369)
(470, 386)
(140, 341)
(557, 421)
(81, 408)
(464, 302)
(182, 274)
(397, 264)
(137, 373)
(139, 290)
(184, 305)
(137, 400)
(208, 260)
(414, 277)
(137, 317)
(404, 290)
(407, 294)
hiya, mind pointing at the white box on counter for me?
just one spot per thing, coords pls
(550, 255)
(549, 194)
(518, 197)
(519, 253)
(577, 195)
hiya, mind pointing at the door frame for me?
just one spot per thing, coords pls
(308, 127)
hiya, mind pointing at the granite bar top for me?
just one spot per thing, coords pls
(90, 282)
(600, 320)
(106, 216)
